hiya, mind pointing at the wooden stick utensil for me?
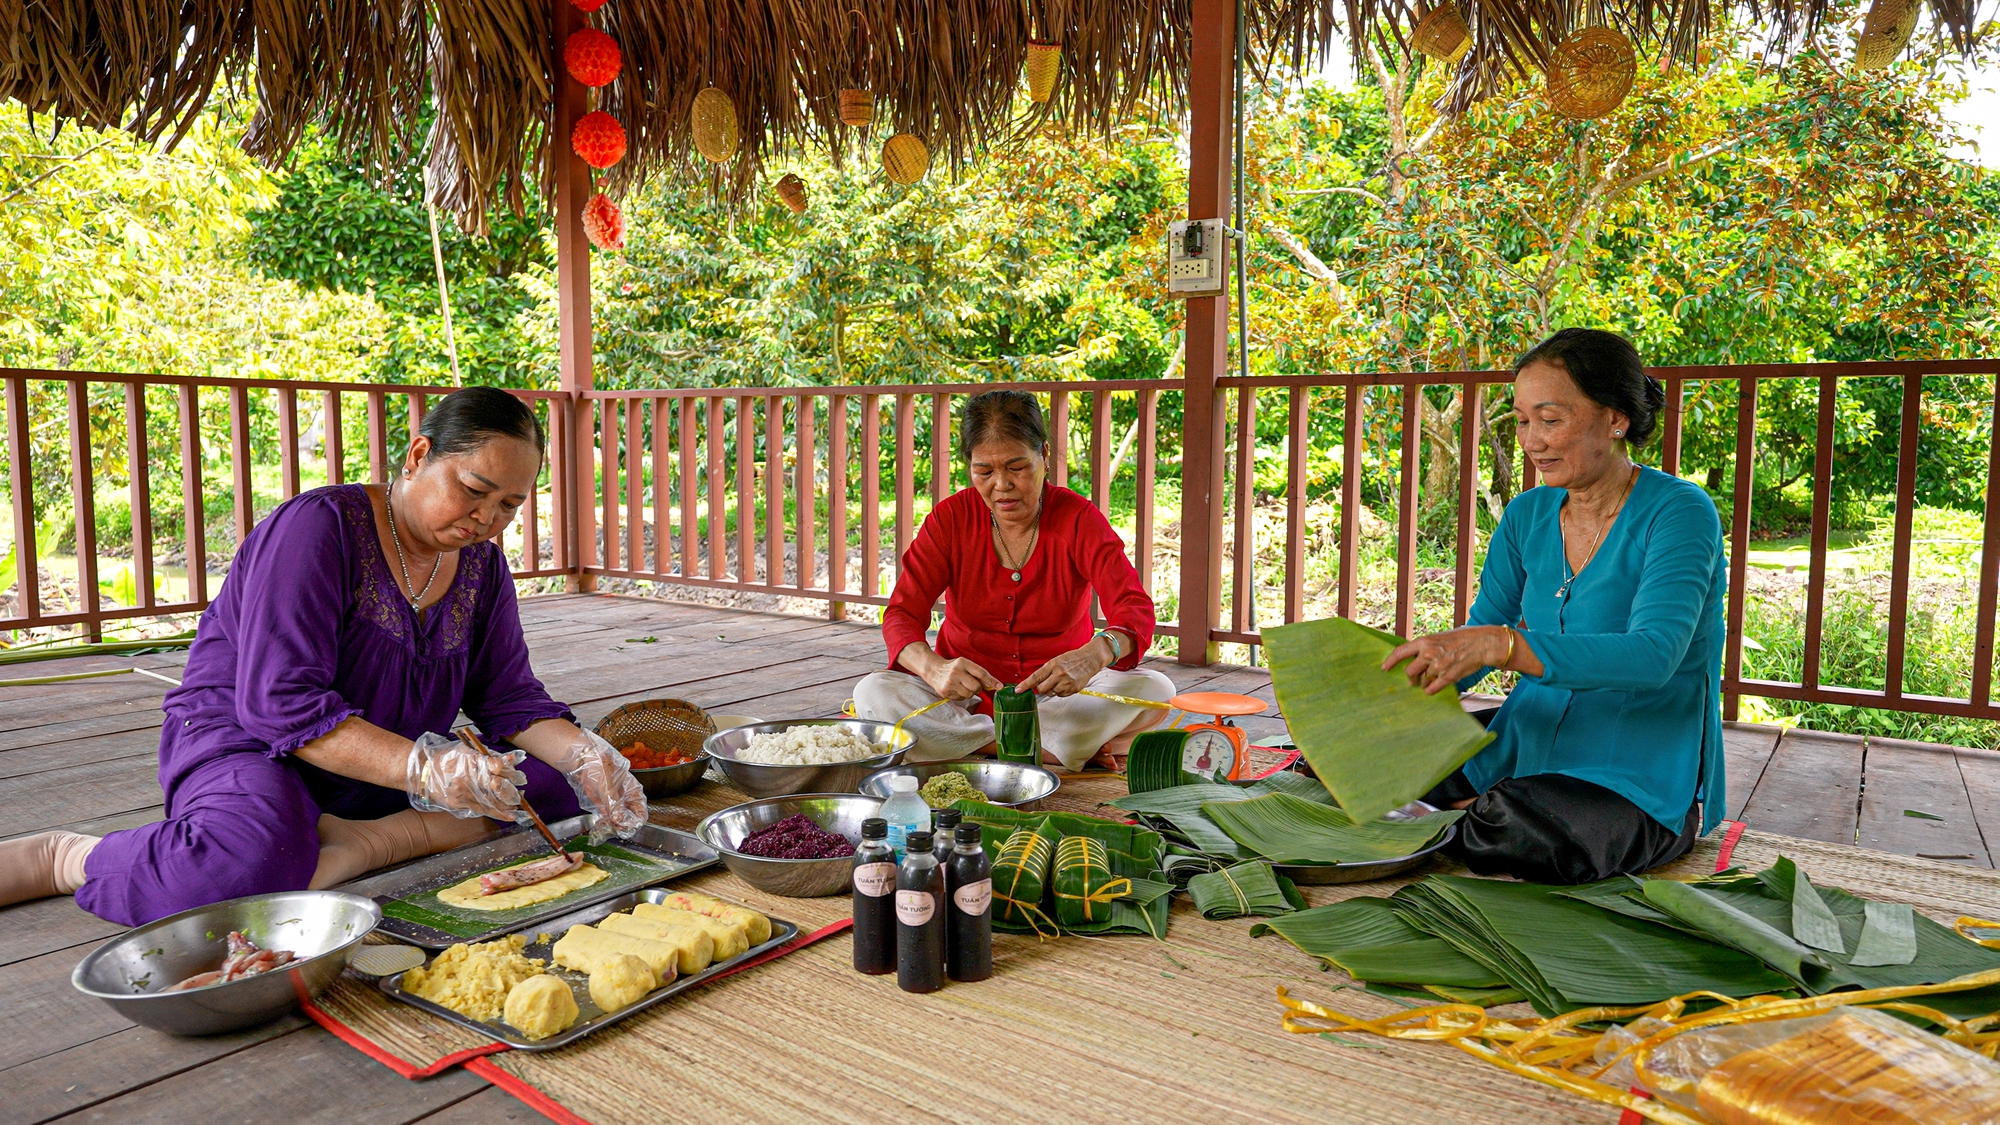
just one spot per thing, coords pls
(466, 736)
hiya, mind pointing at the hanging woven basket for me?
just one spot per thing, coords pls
(792, 193)
(599, 139)
(1591, 72)
(1442, 34)
(715, 134)
(592, 57)
(1884, 33)
(1043, 64)
(604, 223)
(905, 158)
(857, 108)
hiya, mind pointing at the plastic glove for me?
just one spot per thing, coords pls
(604, 785)
(446, 775)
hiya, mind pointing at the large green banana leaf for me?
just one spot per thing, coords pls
(1286, 829)
(1180, 807)
(1377, 742)
(1369, 940)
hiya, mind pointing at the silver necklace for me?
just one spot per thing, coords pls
(1563, 590)
(1000, 540)
(403, 564)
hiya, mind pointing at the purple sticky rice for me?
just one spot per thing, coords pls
(796, 837)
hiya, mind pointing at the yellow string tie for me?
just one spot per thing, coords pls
(1966, 924)
(896, 732)
(1129, 701)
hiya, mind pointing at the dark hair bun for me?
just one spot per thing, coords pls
(1001, 416)
(469, 418)
(1606, 368)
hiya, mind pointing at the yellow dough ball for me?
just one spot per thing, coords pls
(619, 980)
(541, 1006)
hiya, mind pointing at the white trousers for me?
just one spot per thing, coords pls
(1073, 728)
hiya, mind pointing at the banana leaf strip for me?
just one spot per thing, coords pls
(1888, 935)
(1376, 741)
(1814, 925)
(1293, 782)
(1245, 889)
(1287, 829)
(1484, 997)
(1154, 761)
(1368, 939)
(1725, 923)
(1180, 809)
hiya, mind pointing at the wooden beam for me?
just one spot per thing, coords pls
(573, 293)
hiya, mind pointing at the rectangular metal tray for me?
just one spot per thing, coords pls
(676, 852)
(590, 1017)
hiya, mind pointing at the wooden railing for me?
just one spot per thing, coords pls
(813, 493)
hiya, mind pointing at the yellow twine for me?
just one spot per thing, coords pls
(1126, 699)
(896, 732)
(1966, 924)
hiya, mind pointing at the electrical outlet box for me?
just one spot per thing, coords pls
(1197, 258)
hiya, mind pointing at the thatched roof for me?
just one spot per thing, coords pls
(945, 70)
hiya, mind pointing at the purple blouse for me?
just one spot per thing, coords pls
(310, 628)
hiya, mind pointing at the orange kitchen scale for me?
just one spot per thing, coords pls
(1217, 748)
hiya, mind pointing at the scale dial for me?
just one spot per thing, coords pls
(1211, 752)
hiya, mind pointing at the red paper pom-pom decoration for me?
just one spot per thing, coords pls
(592, 57)
(599, 139)
(588, 5)
(604, 223)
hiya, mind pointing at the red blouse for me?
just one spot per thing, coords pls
(1012, 628)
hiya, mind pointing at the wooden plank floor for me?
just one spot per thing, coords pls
(80, 756)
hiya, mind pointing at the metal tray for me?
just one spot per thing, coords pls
(1321, 874)
(669, 852)
(590, 1017)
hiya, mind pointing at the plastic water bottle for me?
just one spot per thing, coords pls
(906, 812)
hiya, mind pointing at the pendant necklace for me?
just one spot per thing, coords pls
(1006, 556)
(389, 506)
(1563, 590)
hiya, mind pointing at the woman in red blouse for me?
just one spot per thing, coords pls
(1017, 560)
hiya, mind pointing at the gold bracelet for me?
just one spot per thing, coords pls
(1511, 635)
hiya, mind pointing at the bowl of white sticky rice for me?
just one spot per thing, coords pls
(779, 759)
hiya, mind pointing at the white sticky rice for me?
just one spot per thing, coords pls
(808, 746)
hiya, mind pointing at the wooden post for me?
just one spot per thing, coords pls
(1211, 103)
(573, 298)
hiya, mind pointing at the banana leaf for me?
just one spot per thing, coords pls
(1599, 957)
(1376, 741)
(1154, 761)
(1247, 888)
(1180, 808)
(1128, 838)
(1484, 997)
(1144, 910)
(1135, 853)
(1812, 923)
(1293, 782)
(1369, 940)
(1287, 829)
(1726, 923)
(1888, 935)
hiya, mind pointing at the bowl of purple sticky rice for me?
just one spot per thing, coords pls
(799, 847)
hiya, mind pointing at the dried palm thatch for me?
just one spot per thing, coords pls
(944, 70)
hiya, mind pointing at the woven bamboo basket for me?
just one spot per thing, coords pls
(905, 158)
(1591, 73)
(857, 108)
(1442, 34)
(1884, 33)
(1042, 66)
(663, 724)
(792, 191)
(715, 135)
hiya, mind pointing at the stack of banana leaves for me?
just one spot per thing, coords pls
(1128, 894)
(1287, 819)
(1632, 941)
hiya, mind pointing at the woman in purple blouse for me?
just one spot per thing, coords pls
(302, 749)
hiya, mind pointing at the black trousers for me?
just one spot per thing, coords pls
(1550, 828)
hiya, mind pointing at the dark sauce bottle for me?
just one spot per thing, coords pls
(920, 918)
(875, 900)
(968, 882)
(944, 822)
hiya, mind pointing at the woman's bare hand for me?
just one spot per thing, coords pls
(1068, 673)
(1442, 659)
(959, 678)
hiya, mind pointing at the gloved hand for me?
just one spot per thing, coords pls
(604, 785)
(446, 775)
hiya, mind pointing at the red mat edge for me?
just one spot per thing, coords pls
(1729, 839)
(474, 1057)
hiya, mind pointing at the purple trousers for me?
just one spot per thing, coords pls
(245, 824)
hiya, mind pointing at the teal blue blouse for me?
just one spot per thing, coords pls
(1630, 693)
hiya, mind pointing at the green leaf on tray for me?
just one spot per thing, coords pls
(1247, 888)
(1368, 939)
(1180, 807)
(1812, 923)
(1376, 741)
(1293, 782)
(1888, 935)
(1287, 829)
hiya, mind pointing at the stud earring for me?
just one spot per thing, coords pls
(1614, 433)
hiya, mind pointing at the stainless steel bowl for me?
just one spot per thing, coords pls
(1320, 874)
(840, 813)
(783, 781)
(321, 927)
(671, 781)
(1014, 785)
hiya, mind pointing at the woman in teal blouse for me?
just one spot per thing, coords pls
(1603, 588)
